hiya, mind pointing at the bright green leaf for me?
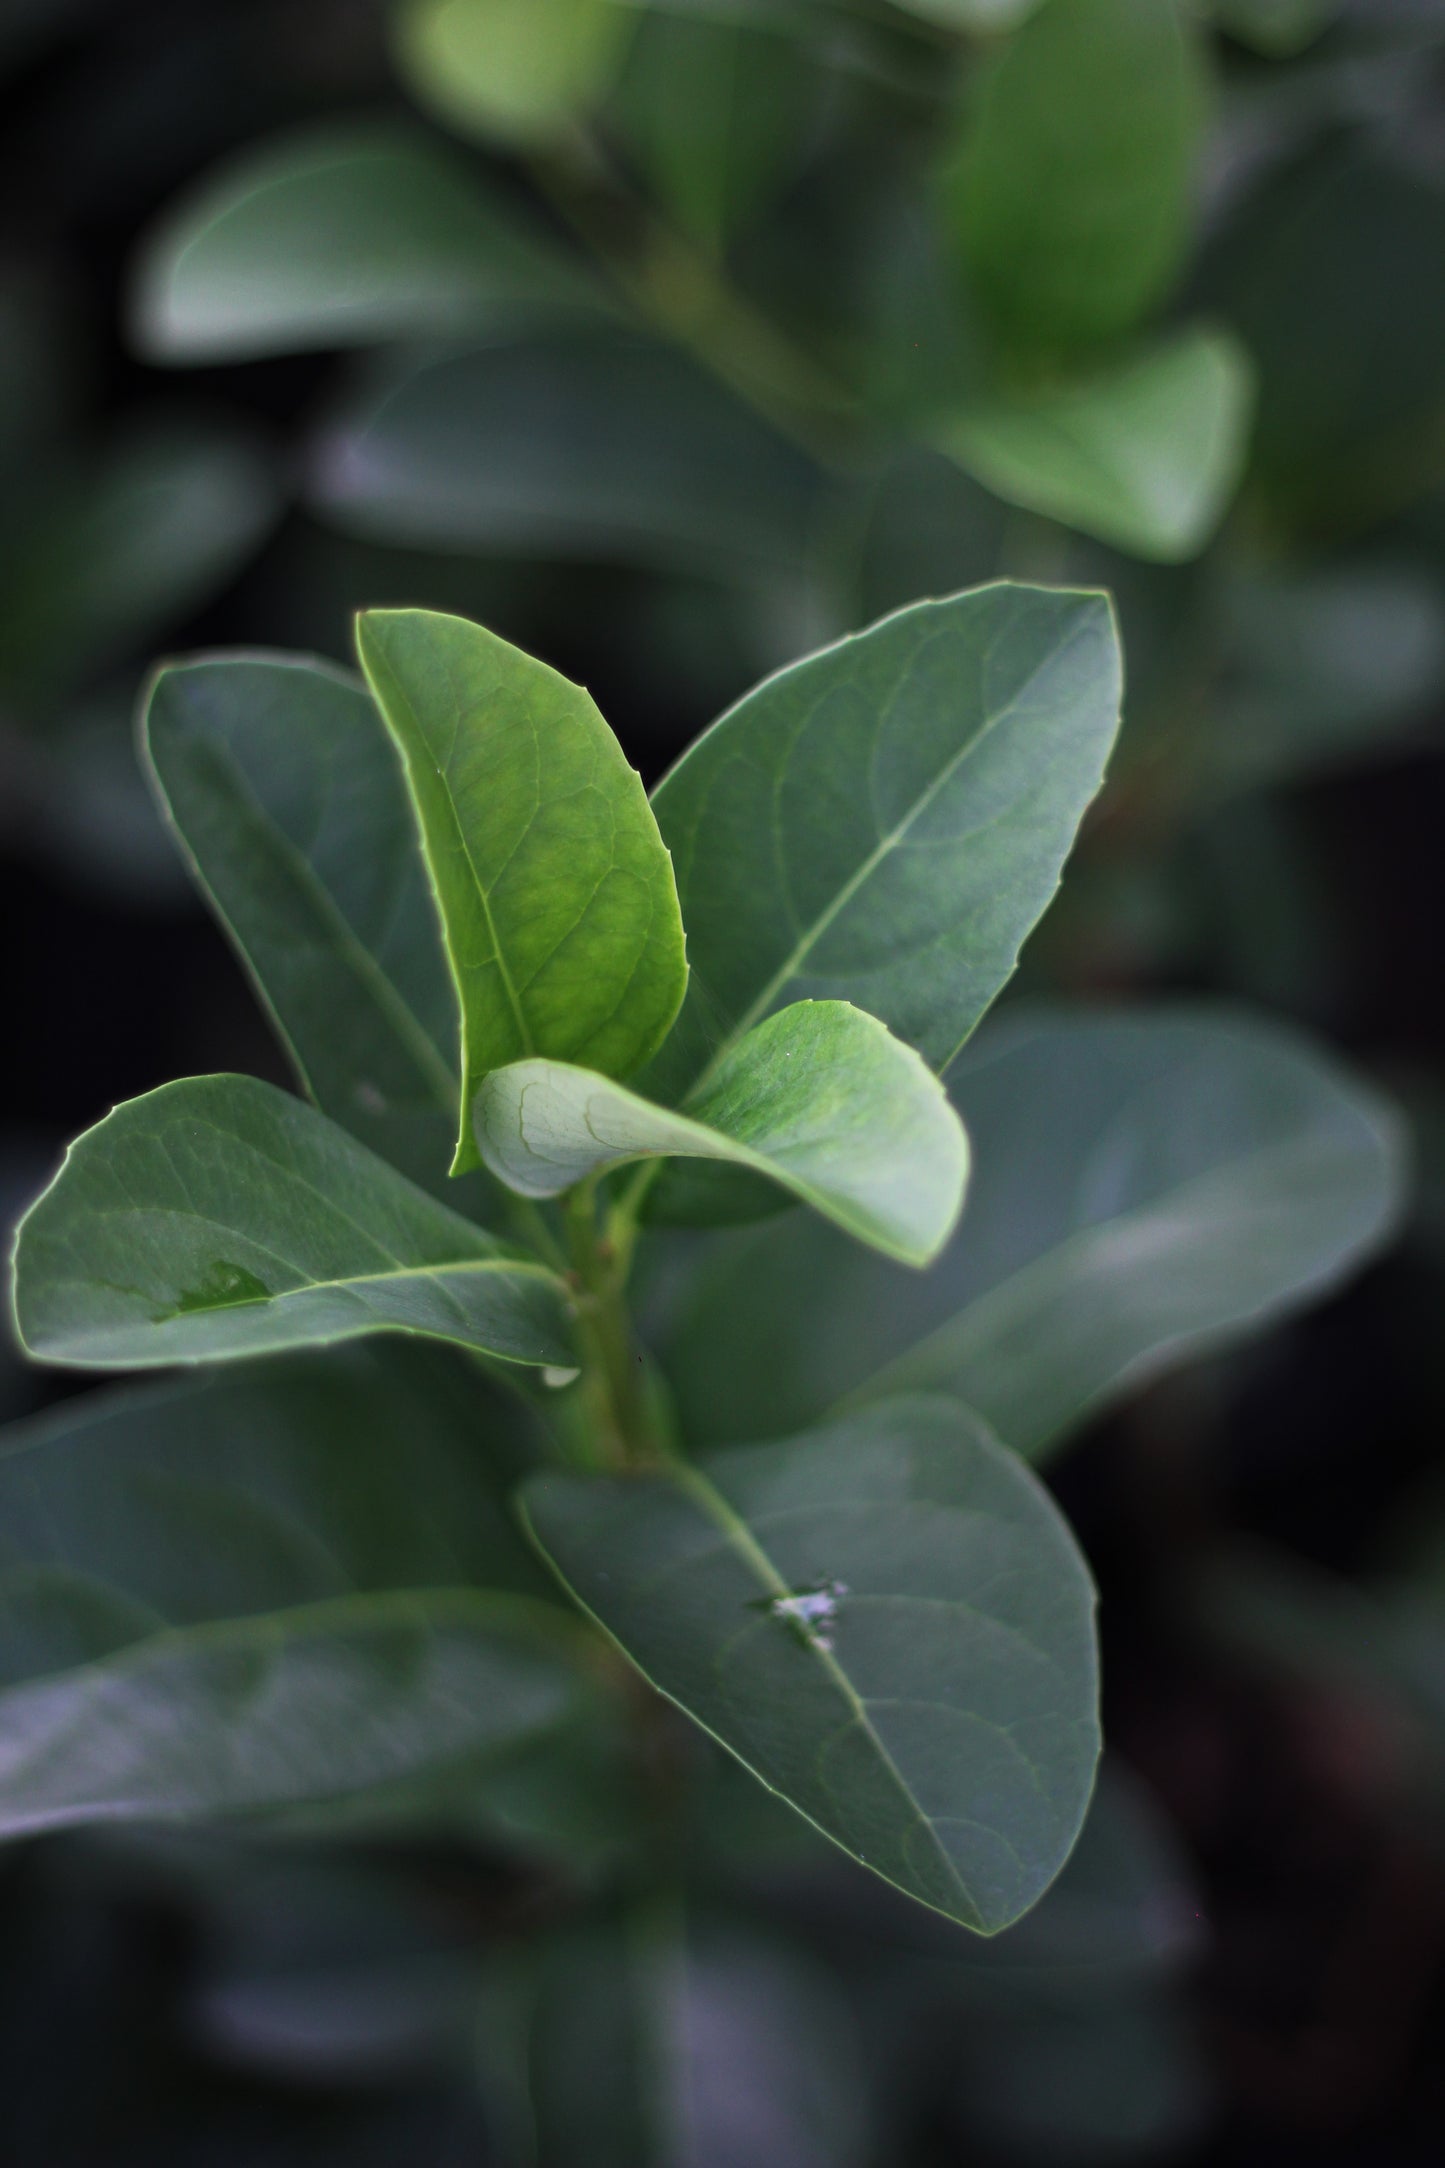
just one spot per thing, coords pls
(1146, 456)
(886, 1620)
(1071, 189)
(337, 235)
(556, 895)
(571, 445)
(510, 69)
(220, 1217)
(819, 1098)
(286, 1589)
(883, 822)
(1143, 1190)
(290, 803)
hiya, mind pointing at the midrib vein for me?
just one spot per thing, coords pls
(714, 1507)
(407, 1026)
(886, 844)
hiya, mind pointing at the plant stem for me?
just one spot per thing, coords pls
(621, 1416)
(677, 288)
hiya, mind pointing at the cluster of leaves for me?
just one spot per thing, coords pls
(674, 338)
(305, 1595)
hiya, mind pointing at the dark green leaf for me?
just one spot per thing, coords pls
(820, 1099)
(1333, 273)
(147, 531)
(220, 1217)
(279, 1590)
(291, 805)
(337, 235)
(556, 895)
(884, 822)
(1279, 28)
(886, 1620)
(1071, 190)
(574, 446)
(1142, 1190)
(507, 69)
(1146, 455)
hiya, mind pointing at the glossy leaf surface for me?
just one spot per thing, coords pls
(291, 805)
(283, 1589)
(1142, 1191)
(884, 822)
(573, 444)
(819, 1098)
(1146, 456)
(1070, 191)
(886, 1620)
(337, 236)
(556, 894)
(220, 1217)
(507, 69)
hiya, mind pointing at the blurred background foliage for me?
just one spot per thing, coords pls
(671, 340)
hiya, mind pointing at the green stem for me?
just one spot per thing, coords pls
(681, 292)
(621, 1411)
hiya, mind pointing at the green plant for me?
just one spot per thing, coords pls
(308, 1593)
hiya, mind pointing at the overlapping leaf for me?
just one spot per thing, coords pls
(819, 1098)
(1143, 1189)
(506, 70)
(884, 822)
(221, 1217)
(885, 1619)
(570, 444)
(289, 801)
(556, 895)
(289, 1589)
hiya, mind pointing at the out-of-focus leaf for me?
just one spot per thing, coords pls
(1278, 28)
(1070, 189)
(260, 1593)
(1145, 456)
(1320, 668)
(338, 235)
(884, 822)
(977, 15)
(1118, 2079)
(1333, 272)
(557, 898)
(571, 446)
(820, 1099)
(886, 1620)
(712, 111)
(220, 1217)
(113, 554)
(648, 2044)
(510, 70)
(291, 807)
(1142, 1191)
